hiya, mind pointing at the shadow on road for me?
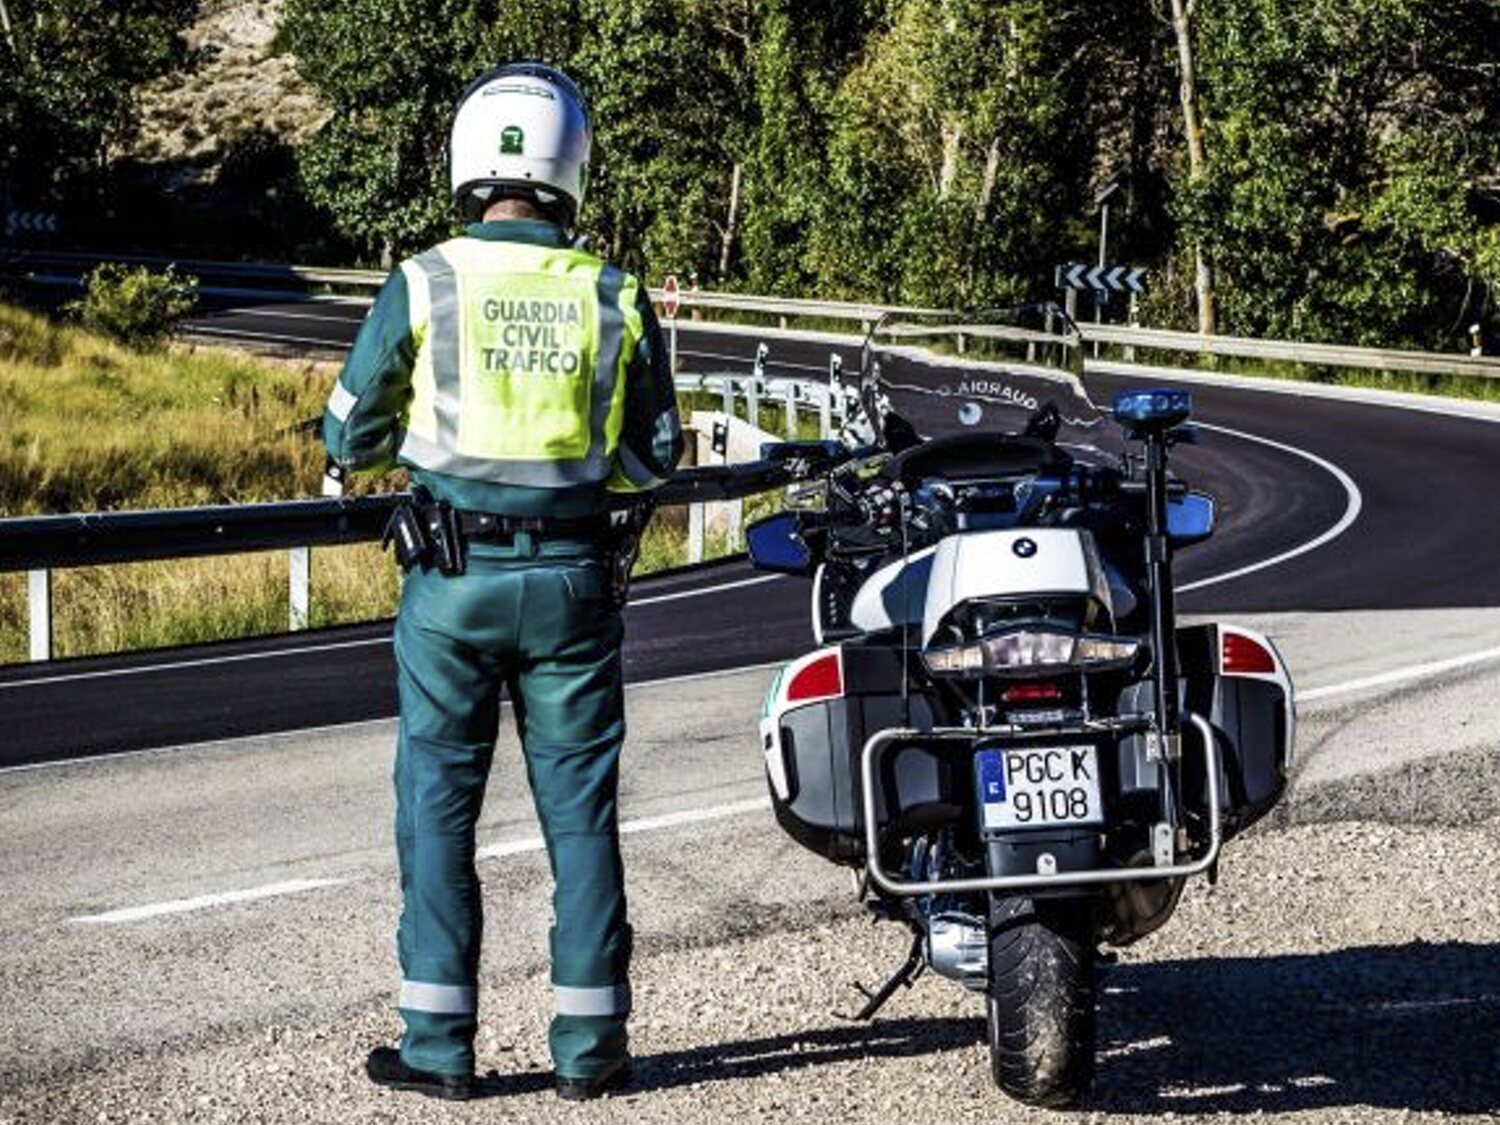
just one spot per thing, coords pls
(1404, 1027)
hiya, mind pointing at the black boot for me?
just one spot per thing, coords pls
(587, 1089)
(386, 1068)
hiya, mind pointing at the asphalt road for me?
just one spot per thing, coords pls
(205, 934)
(1287, 472)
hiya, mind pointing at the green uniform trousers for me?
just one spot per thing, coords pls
(539, 621)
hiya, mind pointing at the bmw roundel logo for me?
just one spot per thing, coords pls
(1025, 548)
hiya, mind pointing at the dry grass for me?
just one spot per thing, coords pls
(87, 425)
(148, 605)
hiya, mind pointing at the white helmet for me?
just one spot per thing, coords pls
(521, 129)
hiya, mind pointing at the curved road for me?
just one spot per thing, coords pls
(1287, 470)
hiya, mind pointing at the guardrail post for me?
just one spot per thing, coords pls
(735, 518)
(39, 605)
(757, 376)
(300, 573)
(695, 533)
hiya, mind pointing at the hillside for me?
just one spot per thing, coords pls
(241, 86)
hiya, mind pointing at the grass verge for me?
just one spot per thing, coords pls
(89, 425)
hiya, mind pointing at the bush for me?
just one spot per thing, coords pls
(135, 305)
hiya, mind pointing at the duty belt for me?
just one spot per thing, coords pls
(427, 532)
(487, 527)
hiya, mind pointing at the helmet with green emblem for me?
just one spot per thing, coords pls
(521, 129)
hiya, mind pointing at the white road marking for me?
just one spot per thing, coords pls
(523, 846)
(331, 728)
(236, 334)
(331, 646)
(279, 314)
(1345, 522)
(1368, 396)
(735, 585)
(200, 662)
(1410, 673)
(204, 902)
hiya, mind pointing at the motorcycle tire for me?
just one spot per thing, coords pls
(1041, 1000)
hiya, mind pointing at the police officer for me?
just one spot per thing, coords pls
(523, 383)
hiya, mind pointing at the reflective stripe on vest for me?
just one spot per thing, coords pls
(521, 359)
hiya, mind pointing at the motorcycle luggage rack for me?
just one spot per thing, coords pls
(892, 885)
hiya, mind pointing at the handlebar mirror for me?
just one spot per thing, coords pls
(1190, 518)
(776, 545)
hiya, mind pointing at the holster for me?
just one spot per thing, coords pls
(425, 533)
(626, 546)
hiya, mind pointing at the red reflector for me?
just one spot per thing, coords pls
(822, 679)
(1245, 657)
(1030, 693)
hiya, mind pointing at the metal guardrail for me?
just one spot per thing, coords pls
(38, 545)
(865, 314)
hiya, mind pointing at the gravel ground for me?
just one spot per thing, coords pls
(1331, 976)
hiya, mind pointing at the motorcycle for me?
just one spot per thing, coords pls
(1003, 730)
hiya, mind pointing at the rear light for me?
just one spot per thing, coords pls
(1034, 651)
(1240, 655)
(822, 678)
(1031, 693)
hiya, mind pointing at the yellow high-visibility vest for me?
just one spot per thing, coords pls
(521, 361)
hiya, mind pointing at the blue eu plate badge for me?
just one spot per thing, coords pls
(992, 778)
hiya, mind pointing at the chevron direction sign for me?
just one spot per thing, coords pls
(1105, 279)
(30, 222)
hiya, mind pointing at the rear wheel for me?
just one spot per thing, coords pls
(1041, 999)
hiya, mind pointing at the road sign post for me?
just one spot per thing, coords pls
(1100, 282)
(670, 292)
(30, 224)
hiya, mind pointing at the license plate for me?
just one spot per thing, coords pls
(1044, 787)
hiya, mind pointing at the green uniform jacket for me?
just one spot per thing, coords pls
(377, 374)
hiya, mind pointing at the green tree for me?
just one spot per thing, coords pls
(392, 71)
(667, 84)
(952, 162)
(1354, 146)
(68, 80)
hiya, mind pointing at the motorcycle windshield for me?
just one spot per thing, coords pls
(992, 371)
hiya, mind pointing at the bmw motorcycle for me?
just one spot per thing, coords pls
(1003, 730)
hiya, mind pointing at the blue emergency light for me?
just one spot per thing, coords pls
(1154, 408)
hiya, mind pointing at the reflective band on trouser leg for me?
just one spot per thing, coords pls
(610, 1000)
(440, 999)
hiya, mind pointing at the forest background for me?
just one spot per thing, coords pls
(1292, 168)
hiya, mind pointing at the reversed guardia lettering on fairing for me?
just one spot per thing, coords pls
(532, 337)
(984, 388)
